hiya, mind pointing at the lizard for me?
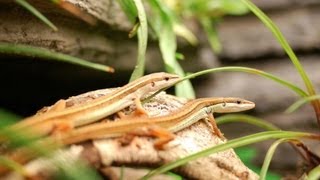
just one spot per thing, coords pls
(101, 107)
(162, 127)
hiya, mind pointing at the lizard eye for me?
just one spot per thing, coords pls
(166, 78)
(238, 102)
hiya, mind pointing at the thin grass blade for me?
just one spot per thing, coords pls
(142, 41)
(269, 156)
(301, 102)
(26, 50)
(246, 119)
(314, 174)
(36, 13)
(285, 45)
(243, 141)
(289, 85)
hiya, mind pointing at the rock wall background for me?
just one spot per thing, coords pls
(246, 42)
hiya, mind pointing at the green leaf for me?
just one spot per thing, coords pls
(26, 50)
(36, 13)
(184, 32)
(234, 7)
(129, 8)
(163, 26)
(179, 56)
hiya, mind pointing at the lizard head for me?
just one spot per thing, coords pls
(231, 104)
(161, 80)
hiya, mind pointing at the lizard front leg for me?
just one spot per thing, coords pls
(138, 112)
(214, 126)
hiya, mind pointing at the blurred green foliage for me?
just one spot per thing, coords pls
(247, 155)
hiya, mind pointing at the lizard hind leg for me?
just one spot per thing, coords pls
(163, 135)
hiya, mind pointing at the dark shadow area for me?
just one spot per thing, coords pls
(28, 84)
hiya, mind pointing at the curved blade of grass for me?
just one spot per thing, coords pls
(129, 8)
(184, 32)
(291, 86)
(285, 45)
(257, 122)
(36, 13)
(301, 102)
(279, 36)
(314, 174)
(25, 50)
(246, 119)
(269, 156)
(243, 141)
(142, 41)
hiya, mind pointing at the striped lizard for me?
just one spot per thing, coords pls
(161, 127)
(99, 108)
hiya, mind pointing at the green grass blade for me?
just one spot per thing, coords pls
(184, 32)
(301, 102)
(36, 13)
(129, 8)
(314, 174)
(246, 119)
(283, 42)
(243, 141)
(269, 156)
(289, 85)
(26, 50)
(142, 41)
